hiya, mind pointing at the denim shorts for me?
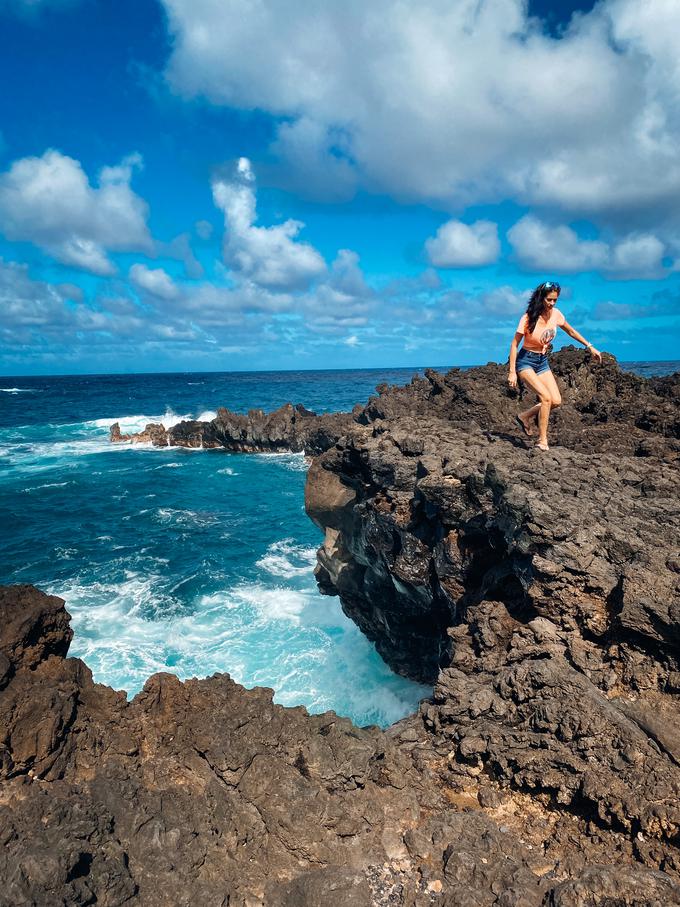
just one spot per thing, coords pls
(537, 361)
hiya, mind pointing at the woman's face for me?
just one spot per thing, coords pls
(550, 300)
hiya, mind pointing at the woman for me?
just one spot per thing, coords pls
(537, 328)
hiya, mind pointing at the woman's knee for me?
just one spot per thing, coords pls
(545, 398)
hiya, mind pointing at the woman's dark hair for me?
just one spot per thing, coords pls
(535, 306)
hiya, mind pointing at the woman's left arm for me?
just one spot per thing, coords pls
(575, 334)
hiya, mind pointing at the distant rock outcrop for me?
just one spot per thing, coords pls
(289, 428)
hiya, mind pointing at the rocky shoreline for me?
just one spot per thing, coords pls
(289, 428)
(539, 592)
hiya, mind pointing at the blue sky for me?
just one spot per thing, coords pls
(214, 185)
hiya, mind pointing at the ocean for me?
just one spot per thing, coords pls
(187, 561)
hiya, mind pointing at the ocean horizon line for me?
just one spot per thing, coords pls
(294, 371)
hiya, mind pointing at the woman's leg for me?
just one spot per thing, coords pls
(528, 415)
(544, 394)
(550, 384)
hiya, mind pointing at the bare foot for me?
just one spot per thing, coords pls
(542, 445)
(526, 426)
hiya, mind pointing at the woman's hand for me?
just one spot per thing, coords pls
(512, 378)
(596, 353)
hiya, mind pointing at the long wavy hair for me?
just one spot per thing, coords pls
(537, 301)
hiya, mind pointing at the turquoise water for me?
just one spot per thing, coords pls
(185, 561)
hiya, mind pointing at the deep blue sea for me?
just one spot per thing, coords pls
(182, 560)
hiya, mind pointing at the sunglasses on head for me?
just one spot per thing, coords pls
(551, 285)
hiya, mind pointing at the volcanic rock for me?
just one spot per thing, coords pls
(604, 409)
(540, 592)
(289, 428)
(204, 792)
(152, 434)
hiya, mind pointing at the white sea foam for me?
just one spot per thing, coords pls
(186, 517)
(47, 485)
(136, 423)
(104, 608)
(18, 390)
(168, 466)
(261, 635)
(295, 462)
(127, 631)
(276, 603)
(285, 558)
(43, 456)
(131, 424)
(227, 471)
(69, 449)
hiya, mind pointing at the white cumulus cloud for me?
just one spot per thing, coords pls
(459, 245)
(540, 246)
(41, 316)
(637, 254)
(154, 280)
(453, 102)
(271, 257)
(50, 202)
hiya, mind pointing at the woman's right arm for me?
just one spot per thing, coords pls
(512, 374)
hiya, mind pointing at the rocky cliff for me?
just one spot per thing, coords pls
(541, 593)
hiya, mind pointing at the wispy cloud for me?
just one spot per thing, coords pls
(621, 311)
